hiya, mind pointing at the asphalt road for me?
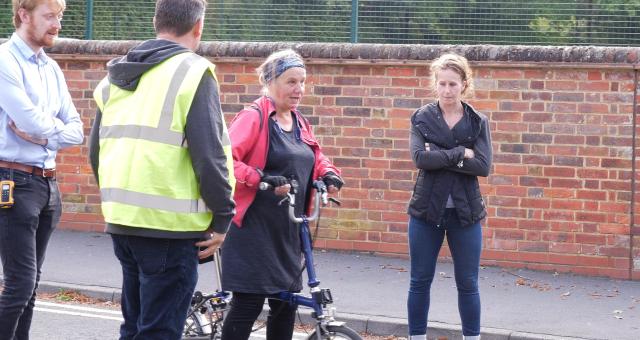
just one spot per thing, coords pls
(56, 321)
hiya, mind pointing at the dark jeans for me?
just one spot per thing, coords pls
(245, 309)
(465, 243)
(158, 279)
(25, 230)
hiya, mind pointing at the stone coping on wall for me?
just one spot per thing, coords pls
(346, 52)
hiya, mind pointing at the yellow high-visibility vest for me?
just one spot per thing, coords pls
(146, 174)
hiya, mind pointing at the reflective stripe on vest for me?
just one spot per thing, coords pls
(153, 201)
(130, 204)
(162, 133)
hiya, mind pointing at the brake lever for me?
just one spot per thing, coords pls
(285, 199)
(335, 200)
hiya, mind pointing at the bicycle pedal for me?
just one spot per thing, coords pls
(323, 296)
(326, 295)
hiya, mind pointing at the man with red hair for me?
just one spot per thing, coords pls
(37, 118)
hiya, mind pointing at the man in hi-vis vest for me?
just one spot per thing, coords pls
(162, 157)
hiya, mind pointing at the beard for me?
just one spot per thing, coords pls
(43, 39)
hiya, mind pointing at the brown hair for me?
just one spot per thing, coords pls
(29, 6)
(457, 64)
(178, 16)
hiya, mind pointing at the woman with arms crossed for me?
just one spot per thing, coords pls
(451, 146)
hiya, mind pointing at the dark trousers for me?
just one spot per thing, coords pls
(245, 309)
(158, 279)
(25, 230)
(465, 243)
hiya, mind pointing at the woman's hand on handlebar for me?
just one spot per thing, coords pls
(333, 182)
(280, 184)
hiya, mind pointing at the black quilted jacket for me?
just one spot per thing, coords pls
(440, 172)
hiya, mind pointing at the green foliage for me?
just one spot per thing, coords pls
(557, 32)
(570, 22)
(289, 20)
(123, 20)
(6, 19)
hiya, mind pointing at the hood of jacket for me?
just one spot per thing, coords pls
(125, 72)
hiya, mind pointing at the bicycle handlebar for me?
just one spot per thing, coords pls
(321, 195)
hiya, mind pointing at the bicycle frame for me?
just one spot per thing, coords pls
(217, 303)
(320, 298)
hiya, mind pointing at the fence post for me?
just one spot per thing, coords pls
(88, 22)
(354, 21)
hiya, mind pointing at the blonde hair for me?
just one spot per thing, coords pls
(457, 64)
(29, 6)
(275, 65)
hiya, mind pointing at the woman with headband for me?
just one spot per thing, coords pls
(272, 142)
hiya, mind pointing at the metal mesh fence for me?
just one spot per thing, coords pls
(549, 22)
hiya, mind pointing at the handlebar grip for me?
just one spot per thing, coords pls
(265, 186)
(325, 198)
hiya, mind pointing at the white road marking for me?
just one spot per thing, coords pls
(107, 314)
(76, 307)
(58, 308)
(262, 335)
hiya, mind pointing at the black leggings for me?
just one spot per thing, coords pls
(245, 309)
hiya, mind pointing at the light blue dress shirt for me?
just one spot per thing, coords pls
(34, 95)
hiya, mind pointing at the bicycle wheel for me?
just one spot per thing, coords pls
(336, 333)
(193, 327)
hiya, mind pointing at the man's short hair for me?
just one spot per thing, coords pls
(178, 16)
(29, 6)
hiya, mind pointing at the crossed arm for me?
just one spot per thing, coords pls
(475, 161)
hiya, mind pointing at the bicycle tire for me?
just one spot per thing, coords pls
(337, 333)
(193, 327)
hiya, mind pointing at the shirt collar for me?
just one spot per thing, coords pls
(26, 51)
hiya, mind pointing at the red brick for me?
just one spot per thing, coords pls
(560, 85)
(527, 246)
(401, 71)
(567, 248)
(530, 256)
(375, 81)
(563, 259)
(507, 74)
(561, 174)
(594, 86)
(606, 228)
(356, 70)
(405, 82)
(590, 238)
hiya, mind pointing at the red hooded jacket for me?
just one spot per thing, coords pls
(249, 133)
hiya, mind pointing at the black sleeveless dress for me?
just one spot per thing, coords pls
(264, 256)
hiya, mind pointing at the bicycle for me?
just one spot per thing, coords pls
(206, 314)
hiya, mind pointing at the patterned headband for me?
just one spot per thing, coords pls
(281, 66)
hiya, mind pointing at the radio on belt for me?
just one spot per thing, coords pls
(6, 194)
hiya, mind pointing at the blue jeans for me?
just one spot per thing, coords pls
(158, 279)
(465, 243)
(25, 230)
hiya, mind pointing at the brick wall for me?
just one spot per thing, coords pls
(562, 192)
